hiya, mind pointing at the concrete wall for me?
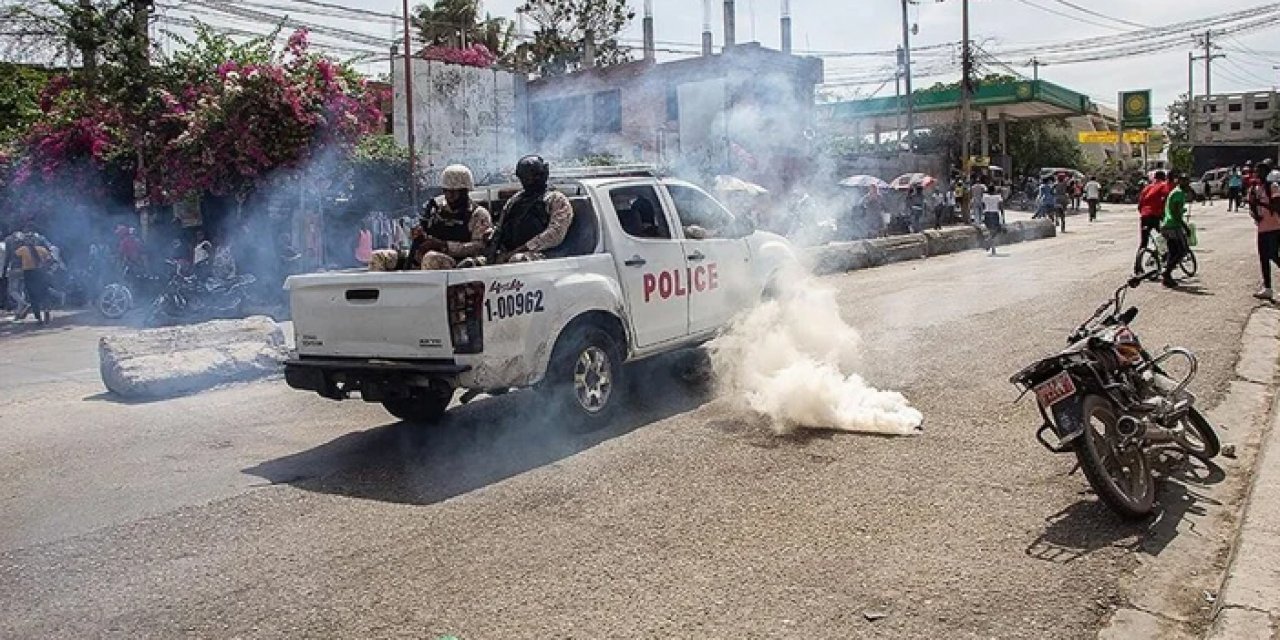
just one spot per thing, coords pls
(461, 115)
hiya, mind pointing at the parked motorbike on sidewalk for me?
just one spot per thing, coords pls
(1112, 403)
(190, 298)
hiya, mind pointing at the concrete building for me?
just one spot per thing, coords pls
(747, 110)
(1235, 118)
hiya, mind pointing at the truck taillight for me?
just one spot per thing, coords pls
(466, 302)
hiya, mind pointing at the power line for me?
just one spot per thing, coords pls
(1101, 15)
(1045, 9)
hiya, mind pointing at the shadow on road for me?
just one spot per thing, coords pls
(1089, 525)
(477, 444)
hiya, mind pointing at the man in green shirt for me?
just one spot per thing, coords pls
(1174, 227)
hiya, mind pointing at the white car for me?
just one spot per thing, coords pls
(626, 284)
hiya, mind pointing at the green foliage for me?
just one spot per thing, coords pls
(1176, 126)
(377, 176)
(558, 45)
(1181, 159)
(457, 24)
(20, 87)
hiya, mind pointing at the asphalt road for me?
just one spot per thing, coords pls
(255, 511)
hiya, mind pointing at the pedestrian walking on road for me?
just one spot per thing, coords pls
(1045, 200)
(1150, 211)
(1174, 228)
(1076, 191)
(1266, 214)
(1235, 189)
(993, 218)
(1062, 195)
(979, 190)
(1093, 196)
(33, 257)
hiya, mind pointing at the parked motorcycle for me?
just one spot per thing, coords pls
(1111, 402)
(190, 298)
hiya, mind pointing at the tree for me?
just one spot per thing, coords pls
(20, 87)
(456, 24)
(567, 29)
(1176, 127)
(113, 32)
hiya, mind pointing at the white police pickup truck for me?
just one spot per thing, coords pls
(626, 284)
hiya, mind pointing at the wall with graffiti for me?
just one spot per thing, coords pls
(462, 115)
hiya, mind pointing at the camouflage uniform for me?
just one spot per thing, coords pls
(462, 239)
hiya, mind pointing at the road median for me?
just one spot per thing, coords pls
(160, 363)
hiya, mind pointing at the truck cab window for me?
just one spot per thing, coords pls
(697, 209)
(640, 213)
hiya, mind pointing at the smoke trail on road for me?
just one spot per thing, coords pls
(792, 360)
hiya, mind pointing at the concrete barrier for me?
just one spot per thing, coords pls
(952, 240)
(159, 363)
(839, 257)
(897, 249)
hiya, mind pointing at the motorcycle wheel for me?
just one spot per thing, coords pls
(1198, 437)
(115, 300)
(1121, 478)
(1189, 265)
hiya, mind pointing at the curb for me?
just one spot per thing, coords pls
(840, 257)
(1177, 592)
(1248, 603)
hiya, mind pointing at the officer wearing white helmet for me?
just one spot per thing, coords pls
(452, 228)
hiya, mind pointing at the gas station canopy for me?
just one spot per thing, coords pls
(1020, 100)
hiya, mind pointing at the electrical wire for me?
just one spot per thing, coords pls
(1091, 12)
(1055, 12)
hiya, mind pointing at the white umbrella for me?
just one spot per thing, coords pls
(864, 181)
(731, 184)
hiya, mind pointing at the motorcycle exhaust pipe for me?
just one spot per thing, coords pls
(1129, 427)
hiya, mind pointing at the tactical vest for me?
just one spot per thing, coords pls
(457, 229)
(525, 217)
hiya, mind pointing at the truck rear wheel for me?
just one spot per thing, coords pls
(426, 406)
(585, 378)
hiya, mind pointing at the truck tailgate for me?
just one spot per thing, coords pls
(371, 314)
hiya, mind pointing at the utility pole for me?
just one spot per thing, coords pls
(897, 94)
(1191, 98)
(408, 112)
(1208, 58)
(1208, 65)
(1035, 69)
(966, 64)
(906, 65)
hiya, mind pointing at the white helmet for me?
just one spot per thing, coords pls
(456, 176)
(1274, 176)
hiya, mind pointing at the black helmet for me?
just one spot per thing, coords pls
(532, 168)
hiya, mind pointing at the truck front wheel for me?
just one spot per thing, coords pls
(585, 378)
(425, 406)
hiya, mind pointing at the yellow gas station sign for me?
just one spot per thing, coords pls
(1111, 137)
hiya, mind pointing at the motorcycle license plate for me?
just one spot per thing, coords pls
(1055, 390)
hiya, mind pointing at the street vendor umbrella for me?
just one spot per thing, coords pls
(908, 180)
(730, 184)
(864, 181)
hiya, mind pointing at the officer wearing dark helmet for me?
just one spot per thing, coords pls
(535, 220)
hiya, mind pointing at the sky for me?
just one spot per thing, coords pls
(838, 28)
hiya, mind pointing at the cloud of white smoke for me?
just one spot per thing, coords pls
(792, 359)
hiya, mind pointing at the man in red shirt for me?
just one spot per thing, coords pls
(1151, 211)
